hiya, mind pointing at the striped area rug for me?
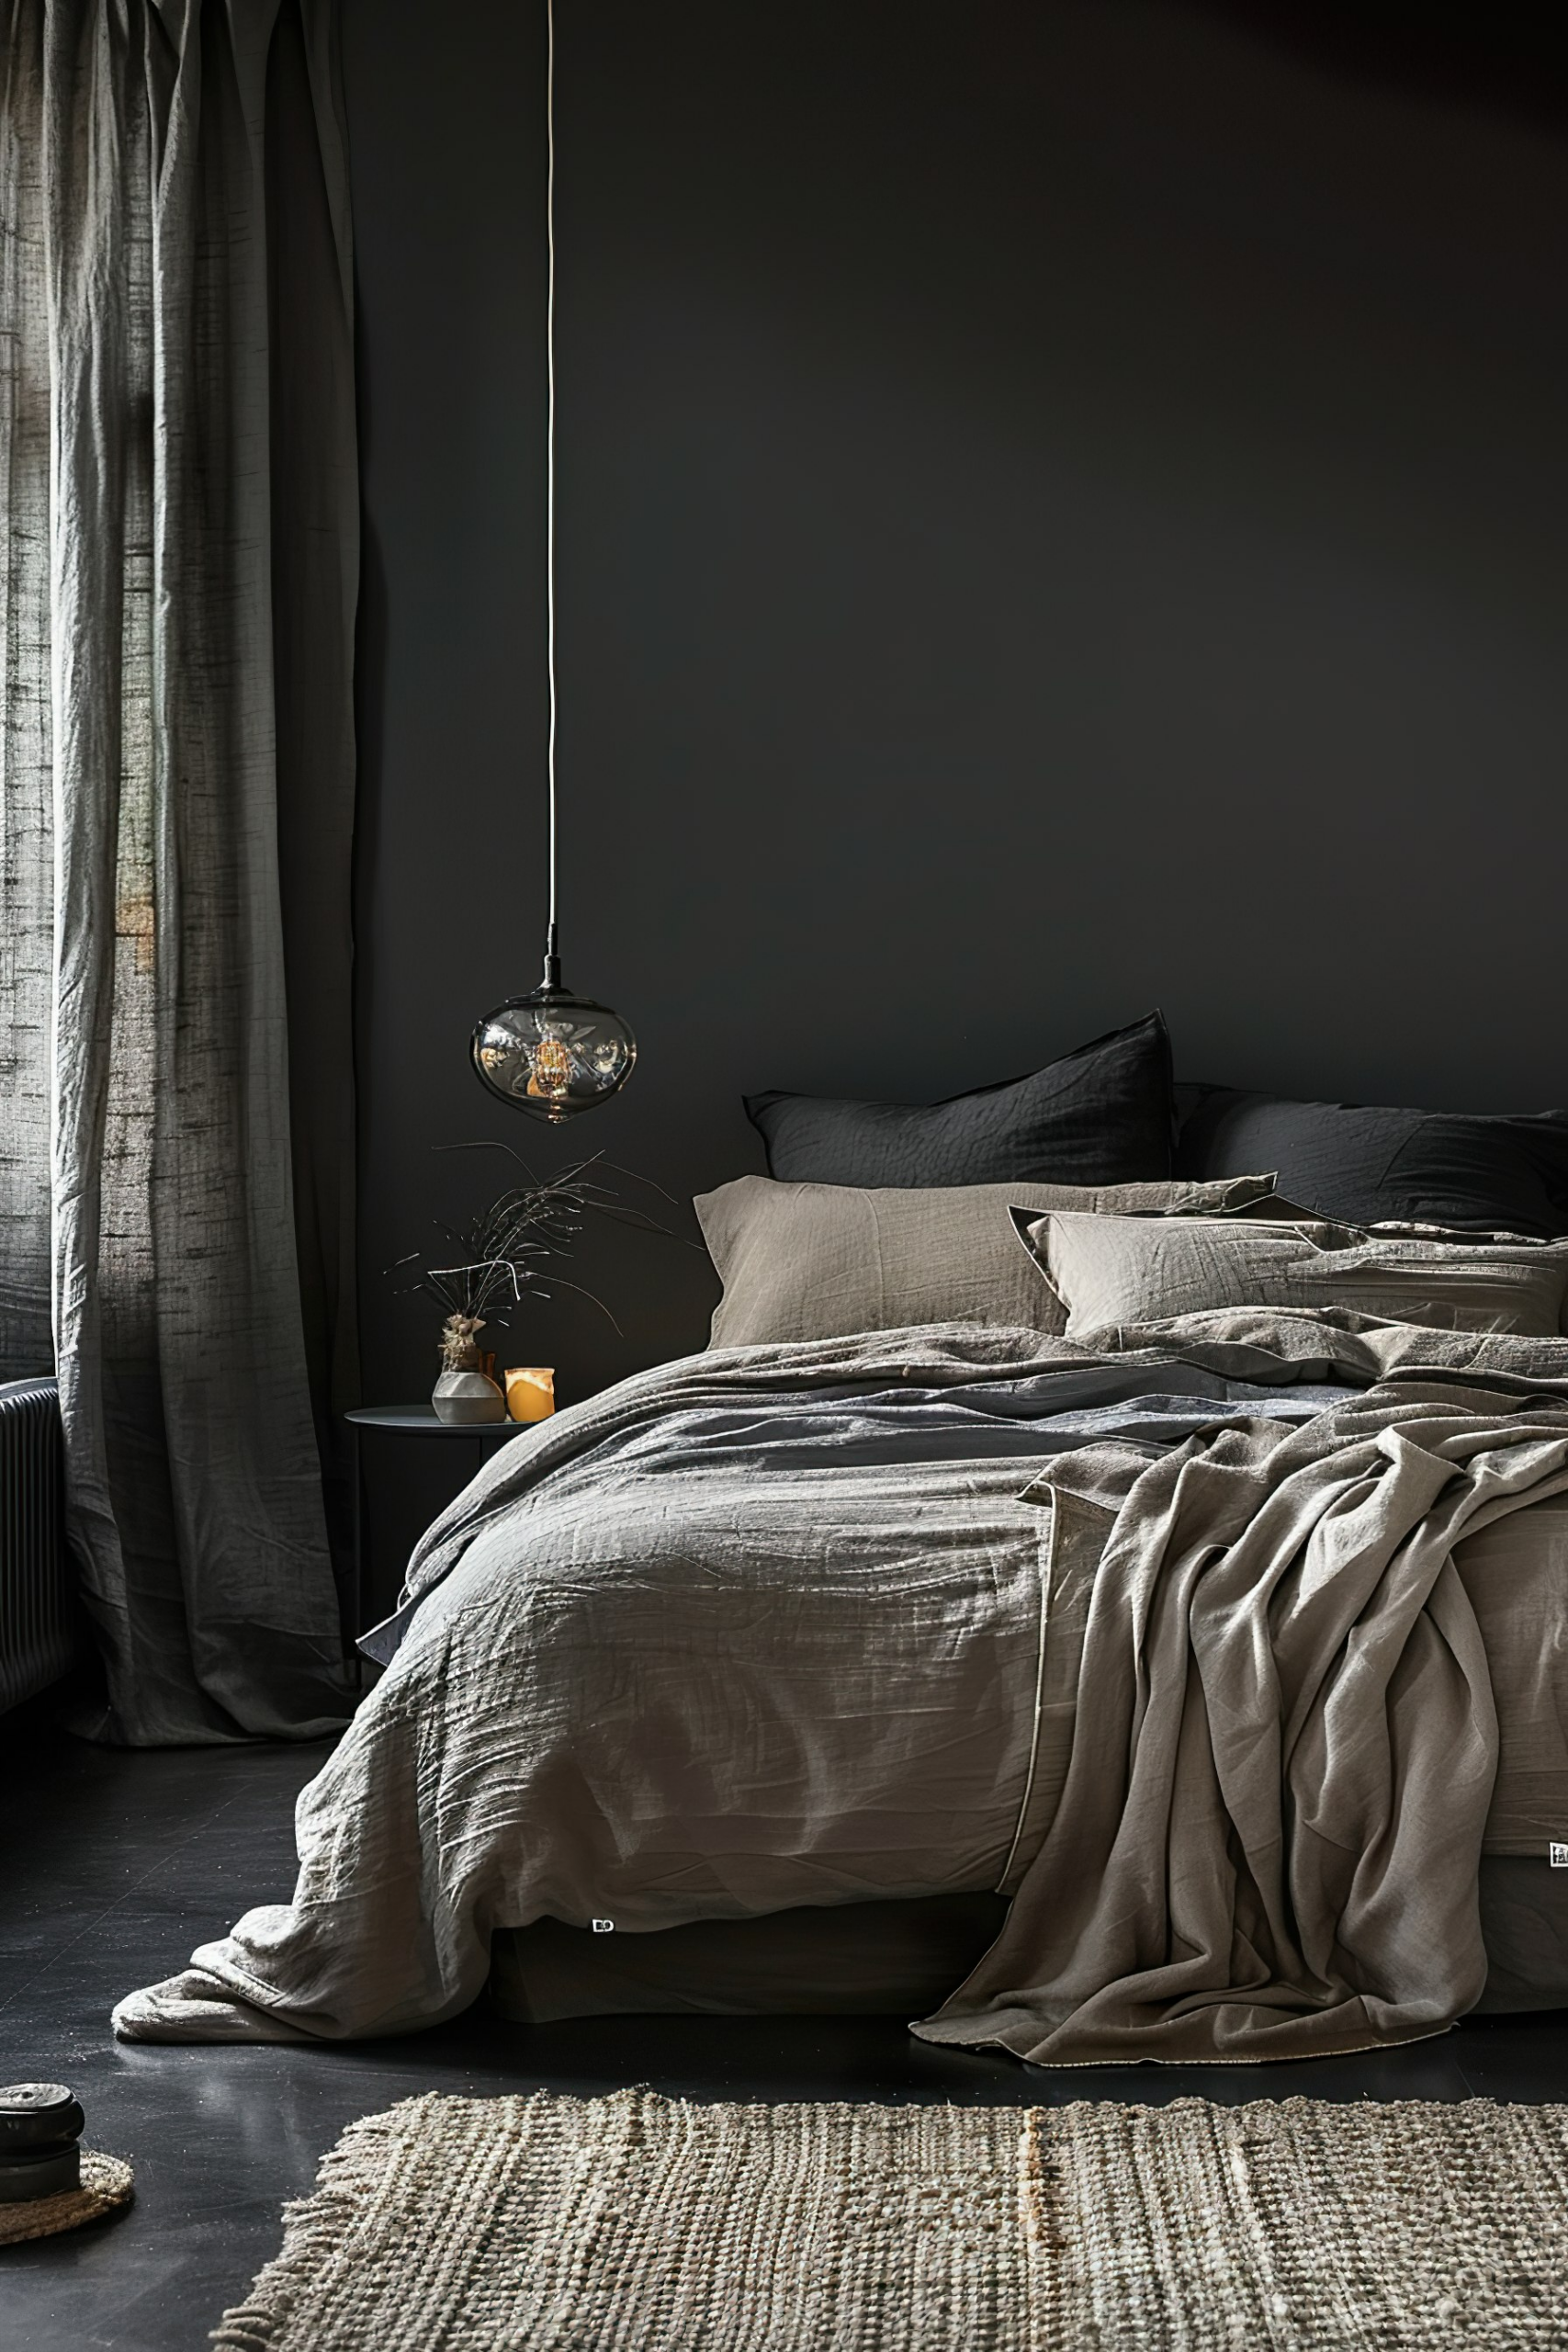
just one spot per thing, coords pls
(637, 2223)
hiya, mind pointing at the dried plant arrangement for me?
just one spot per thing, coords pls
(513, 1247)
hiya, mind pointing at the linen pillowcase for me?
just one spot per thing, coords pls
(1104, 1115)
(1367, 1165)
(818, 1261)
(1110, 1271)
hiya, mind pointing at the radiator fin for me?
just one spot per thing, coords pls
(37, 1603)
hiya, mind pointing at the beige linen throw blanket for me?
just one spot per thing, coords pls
(1217, 1709)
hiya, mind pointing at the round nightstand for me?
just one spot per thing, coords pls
(411, 1420)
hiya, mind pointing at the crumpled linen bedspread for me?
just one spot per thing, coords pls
(765, 1628)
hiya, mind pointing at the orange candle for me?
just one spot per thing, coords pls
(530, 1391)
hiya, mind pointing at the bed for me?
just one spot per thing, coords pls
(1168, 1671)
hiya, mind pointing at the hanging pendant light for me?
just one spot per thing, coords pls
(551, 1053)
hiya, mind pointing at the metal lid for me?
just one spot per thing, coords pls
(35, 2117)
(33, 2098)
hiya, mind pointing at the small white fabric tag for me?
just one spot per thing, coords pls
(1559, 1856)
(606, 1927)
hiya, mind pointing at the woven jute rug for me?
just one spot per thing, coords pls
(636, 2223)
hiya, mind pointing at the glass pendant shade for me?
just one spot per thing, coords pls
(550, 1053)
(553, 1054)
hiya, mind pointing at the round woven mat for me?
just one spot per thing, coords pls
(105, 2187)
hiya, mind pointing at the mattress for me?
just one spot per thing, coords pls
(903, 1959)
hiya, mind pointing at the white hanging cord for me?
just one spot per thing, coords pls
(550, 462)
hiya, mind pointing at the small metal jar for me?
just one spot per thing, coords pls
(39, 2126)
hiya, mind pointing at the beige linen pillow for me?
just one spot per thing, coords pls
(817, 1261)
(1110, 1269)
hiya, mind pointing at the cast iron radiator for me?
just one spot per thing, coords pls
(37, 1618)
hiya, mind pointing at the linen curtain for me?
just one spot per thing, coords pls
(178, 560)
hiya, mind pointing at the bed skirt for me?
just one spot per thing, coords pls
(903, 1959)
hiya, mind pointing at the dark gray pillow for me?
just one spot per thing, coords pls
(814, 1262)
(1366, 1165)
(1101, 1116)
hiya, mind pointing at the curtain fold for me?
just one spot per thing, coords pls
(198, 554)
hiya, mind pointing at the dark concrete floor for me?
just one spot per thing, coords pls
(115, 1865)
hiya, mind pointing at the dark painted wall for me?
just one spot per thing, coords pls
(1062, 508)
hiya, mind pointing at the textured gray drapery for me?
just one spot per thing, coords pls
(178, 560)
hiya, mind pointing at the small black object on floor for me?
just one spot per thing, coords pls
(40, 2127)
(115, 1865)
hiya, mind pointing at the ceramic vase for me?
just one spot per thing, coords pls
(468, 1397)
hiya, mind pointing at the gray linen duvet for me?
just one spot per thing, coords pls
(1163, 1636)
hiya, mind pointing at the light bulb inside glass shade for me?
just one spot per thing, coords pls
(553, 1054)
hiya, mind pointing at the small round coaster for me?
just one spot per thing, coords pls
(105, 2188)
